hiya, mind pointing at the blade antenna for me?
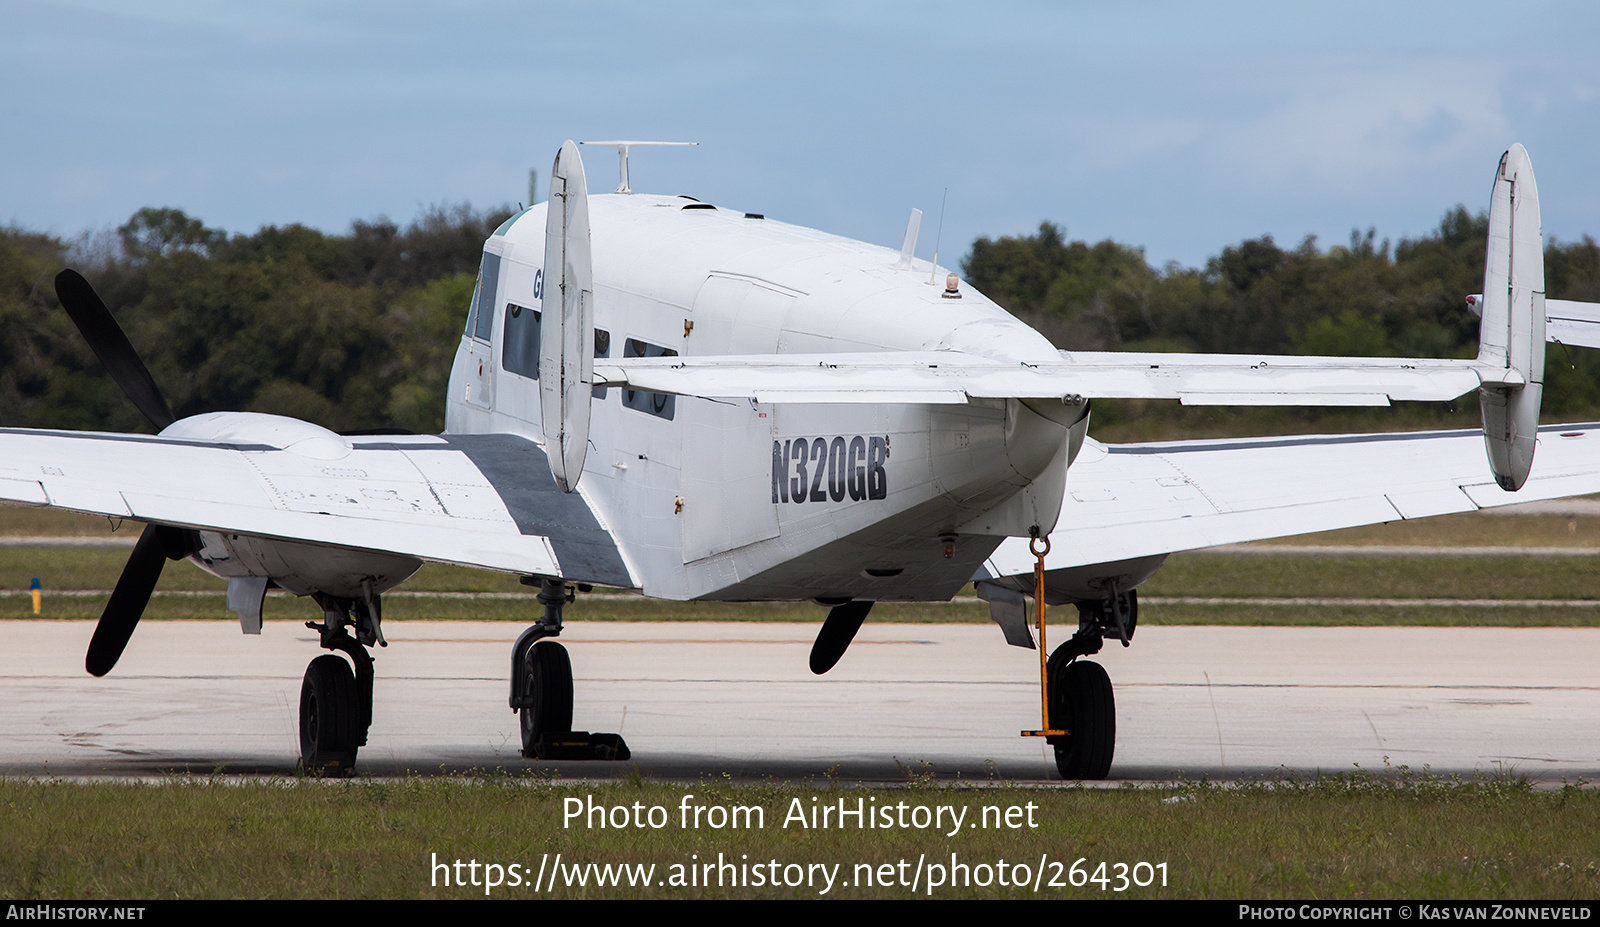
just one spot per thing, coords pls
(938, 239)
(622, 156)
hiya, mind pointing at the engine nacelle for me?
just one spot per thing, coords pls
(299, 567)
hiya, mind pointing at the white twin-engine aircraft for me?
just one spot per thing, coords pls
(657, 394)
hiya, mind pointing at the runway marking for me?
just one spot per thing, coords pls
(817, 680)
(1371, 603)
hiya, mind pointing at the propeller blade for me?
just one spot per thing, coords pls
(106, 339)
(128, 599)
(838, 630)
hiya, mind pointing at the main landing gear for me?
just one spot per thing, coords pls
(1081, 701)
(336, 704)
(541, 688)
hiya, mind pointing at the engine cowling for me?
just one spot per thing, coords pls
(299, 567)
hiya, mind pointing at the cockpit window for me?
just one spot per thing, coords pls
(511, 220)
(483, 302)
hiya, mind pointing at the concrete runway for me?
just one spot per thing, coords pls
(702, 700)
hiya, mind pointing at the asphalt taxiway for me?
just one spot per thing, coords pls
(704, 700)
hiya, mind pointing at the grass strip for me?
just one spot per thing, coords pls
(1387, 576)
(1330, 837)
(1344, 574)
(285, 609)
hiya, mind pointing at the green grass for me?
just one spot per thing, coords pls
(1474, 529)
(1417, 577)
(1359, 616)
(187, 592)
(28, 521)
(1334, 837)
(523, 608)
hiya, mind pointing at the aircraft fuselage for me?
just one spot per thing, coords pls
(747, 500)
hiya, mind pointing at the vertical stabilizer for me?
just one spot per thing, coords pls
(566, 325)
(1512, 334)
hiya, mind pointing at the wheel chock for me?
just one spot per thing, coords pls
(581, 745)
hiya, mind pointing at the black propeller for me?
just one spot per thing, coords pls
(106, 339)
(139, 576)
(838, 630)
(158, 543)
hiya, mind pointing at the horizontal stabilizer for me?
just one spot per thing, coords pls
(954, 377)
(1572, 323)
(1567, 321)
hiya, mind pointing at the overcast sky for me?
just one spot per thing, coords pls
(1177, 127)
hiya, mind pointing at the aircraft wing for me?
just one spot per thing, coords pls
(1138, 500)
(1573, 323)
(955, 377)
(484, 501)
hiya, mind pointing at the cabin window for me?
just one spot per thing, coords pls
(602, 348)
(481, 320)
(519, 346)
(657, 404)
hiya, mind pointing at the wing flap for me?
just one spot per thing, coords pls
(1281, 399)
(23, 492)
(504, 551)
(1425, 503)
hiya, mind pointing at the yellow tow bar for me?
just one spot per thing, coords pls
(1044, 652)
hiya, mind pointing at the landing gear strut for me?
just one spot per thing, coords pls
(541, 688)
(336, 705)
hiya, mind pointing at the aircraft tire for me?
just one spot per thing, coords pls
(329, 711)
(1081, 699)
(549, 681)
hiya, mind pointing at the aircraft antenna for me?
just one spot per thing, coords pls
(938, 239)
(622, 155)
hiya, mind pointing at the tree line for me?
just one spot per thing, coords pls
(352, 331)
(1394, 299)
(356, 331)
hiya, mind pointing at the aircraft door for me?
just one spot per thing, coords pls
(727, 446)
(479, 367)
